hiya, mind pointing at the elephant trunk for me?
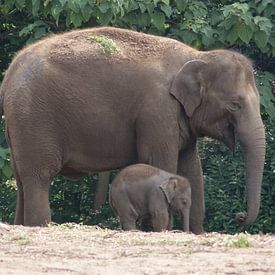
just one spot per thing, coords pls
(252, 138)
(185, 219)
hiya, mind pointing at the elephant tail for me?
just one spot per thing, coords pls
(1, 100)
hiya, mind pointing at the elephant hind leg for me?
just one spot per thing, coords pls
(34, 178)
(146, 224)
(127, 221)
(19, 212)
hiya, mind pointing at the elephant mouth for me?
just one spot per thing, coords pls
(228, 137)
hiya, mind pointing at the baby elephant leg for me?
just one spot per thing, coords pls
(127, 222)
(160, 221)
(146, 224)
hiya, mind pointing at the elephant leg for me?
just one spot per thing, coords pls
(189, 165)
(35, 176)
(146, 224)
(160, 221)
(19, 212)
(36, 203)
(127, 222)
(171, 222)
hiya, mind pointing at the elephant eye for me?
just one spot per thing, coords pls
(235, 106)
(184, 201)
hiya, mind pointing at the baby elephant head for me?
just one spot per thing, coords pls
(177, 191)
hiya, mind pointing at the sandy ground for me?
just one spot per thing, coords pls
(75, 249)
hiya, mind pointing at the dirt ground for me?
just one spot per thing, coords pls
(76, 249)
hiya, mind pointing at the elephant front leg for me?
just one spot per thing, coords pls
(160, 220)
(189, 165)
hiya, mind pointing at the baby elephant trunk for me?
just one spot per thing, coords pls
(185, 219)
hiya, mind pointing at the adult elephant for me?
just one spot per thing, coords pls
(103, 98)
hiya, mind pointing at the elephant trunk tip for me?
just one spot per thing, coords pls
(242, 219)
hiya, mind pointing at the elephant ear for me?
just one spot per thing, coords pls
(188, 85)
(168, 187)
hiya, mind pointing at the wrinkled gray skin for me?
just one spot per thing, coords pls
(71, 108)
(142, 192)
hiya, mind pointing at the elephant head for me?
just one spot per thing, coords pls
(218, 93)
(178, 194)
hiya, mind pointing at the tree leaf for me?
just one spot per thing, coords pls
(245, 33)
(2, 163)
(76, 19)
(181, 5)
(166, 9)
(7, 170)
(105, 18)
(4, 152)
(73, 5)
(63, 2)
(232, 36)
(35, 7)
(188, 37)
(20, 4)
(158, 20)
(104, 7)
(261, 39)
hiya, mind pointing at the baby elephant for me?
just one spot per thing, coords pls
(142, 192)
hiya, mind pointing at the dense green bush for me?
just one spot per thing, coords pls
(246, 26)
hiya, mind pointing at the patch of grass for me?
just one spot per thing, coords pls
(79, 226)
(239, 241)
(107, 45)
(148, 241)
(21, 239)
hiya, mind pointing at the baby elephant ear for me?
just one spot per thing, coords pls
(187, 86)
(169, 188)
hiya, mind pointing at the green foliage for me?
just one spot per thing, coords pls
(107, 45)
(246, 26)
